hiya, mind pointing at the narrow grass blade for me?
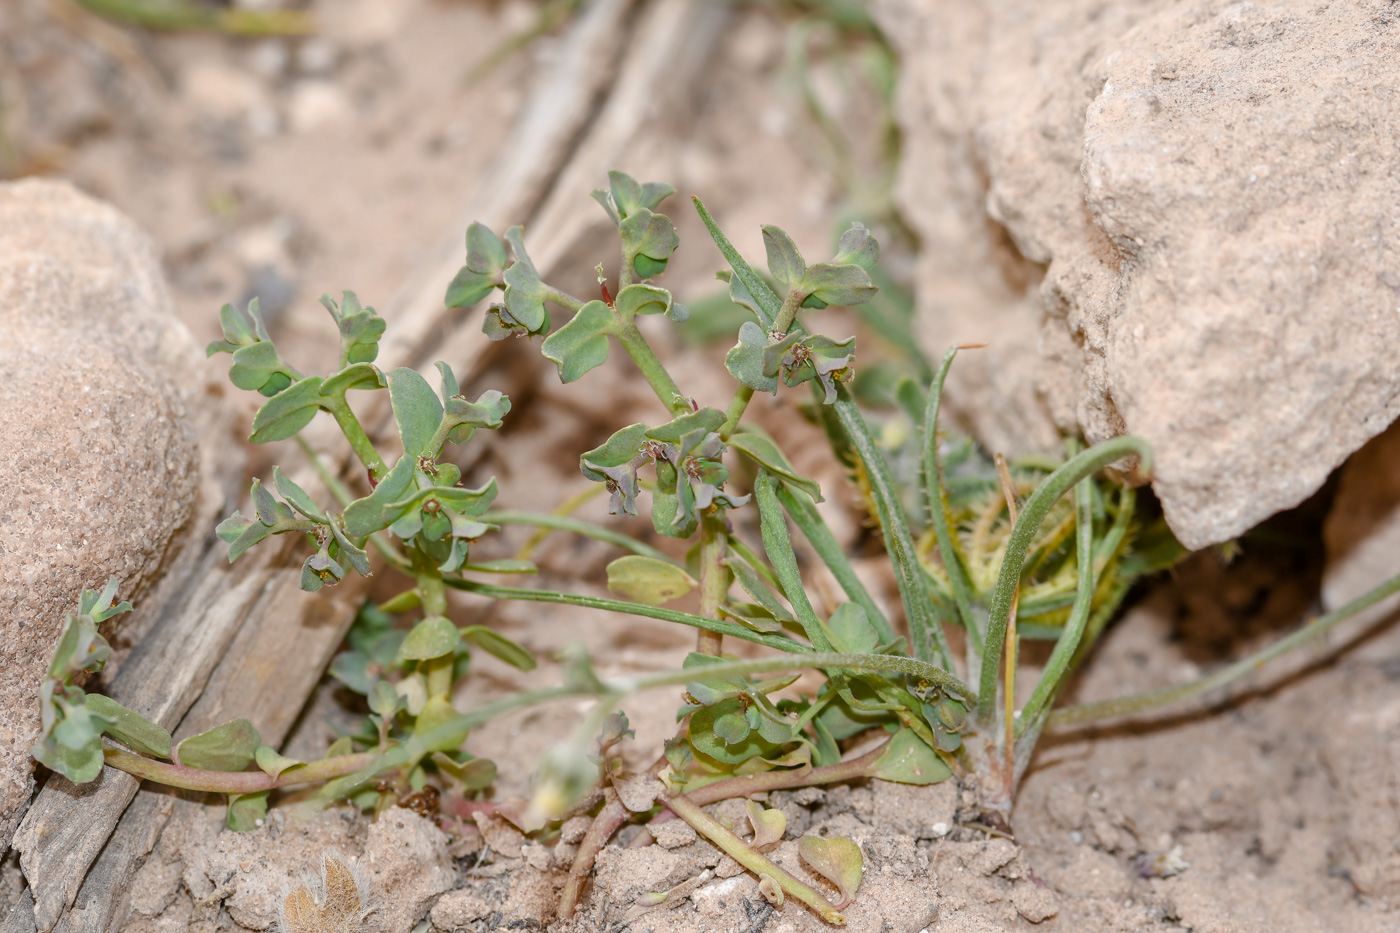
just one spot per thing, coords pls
(778, 546)
(769, 304)
(809, 521)
(928, 641)
(1023, 533)
(935, 501)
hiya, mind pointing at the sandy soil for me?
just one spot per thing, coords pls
(288, 169)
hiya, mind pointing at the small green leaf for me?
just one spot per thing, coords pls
(858, 246)
(761, 450)
(731, 728)
(354, 376)
(228, 747)
(838, 285)
(296, 497)
(746, 361)
(704, 421)
(615, 464)
(360, 328)
(384, 701)
(771, 890)
(440, 727)
(287, 412)
(650, 237)
(784, 260)
(768, 825)
(907, 760)
(431, 638)
(499, 646)
(486, 258)
(648, 580)
(581, 344)
(417, 411)
(130, 728)
(273, 762)
(525, 292)
(838, 860)
(471, 775)
(364, 517)
(850, 631)
(247, 812)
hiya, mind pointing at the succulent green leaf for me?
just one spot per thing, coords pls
(296, 497)
(272, 762)
(464, 416)
(432, 637)
(129, 727)
(499, 646)
(502, 565)
(907, 760)
(859, 246)
(615, 464)
(648, 580)
(364, 517)
(525, 292)
(768, 825)
(486, 258)
(761, 450)
(360, 328)
(439, 726)
(838, 285)
(581, 344)
(227, 747)
(320, 569)
(247, 812)
(80, 648)
(702, 422)
(471, 775)
(354, 376)
(850, 630)
(784, 260)
(838, 860)
(715, 732)
(745, 361)
(239, 329)
(287, 412)
(649, 235)
(240, 533)
(348, 549)
(417, 411)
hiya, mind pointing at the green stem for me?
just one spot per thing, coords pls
(714, 580)
(787, 314)
(735, 412)
(577, 526)
(935, 501)
(780, 642)
(746, 785)
(653, 371)
(233, 782)
(564, 299)
(1022, 534)
(359, 440)
(1106, 709)
(736, 849)
(925, 633)
(567, 508)
(809, 521)
(344, 496)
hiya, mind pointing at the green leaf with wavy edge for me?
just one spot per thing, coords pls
(432, 637)
(365, 516)
(360, 328)
(761, 450)
(581, 344)
(227, 747)
(649, 299)
(704, 421)
(647, 580)
(129, 727)
(525, 292)
(499, 646)
(287, 412)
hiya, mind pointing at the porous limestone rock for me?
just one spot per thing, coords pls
(1174, 218)
(99, 440)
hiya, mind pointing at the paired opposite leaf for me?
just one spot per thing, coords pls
(581, 344)
(129, 727)
(907, 760)
(228, 747)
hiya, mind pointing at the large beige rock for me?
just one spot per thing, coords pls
(1171, 217)
(99, 466)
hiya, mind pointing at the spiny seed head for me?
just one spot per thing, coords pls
(337, 902)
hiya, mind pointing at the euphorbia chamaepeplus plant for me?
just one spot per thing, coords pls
(966, 549)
